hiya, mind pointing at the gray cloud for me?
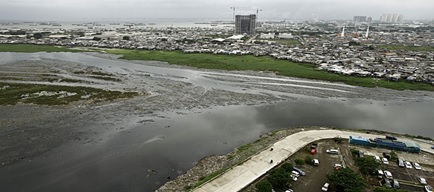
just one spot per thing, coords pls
(271, 9)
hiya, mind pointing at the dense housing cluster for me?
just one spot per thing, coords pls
(380, 50)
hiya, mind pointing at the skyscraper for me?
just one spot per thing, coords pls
(359, 19)
(245, 24)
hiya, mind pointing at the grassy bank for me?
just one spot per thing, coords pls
(249, 62)
(13, 93)
(407, 48)
(29, 48)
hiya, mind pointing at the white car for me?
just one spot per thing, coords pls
(377, 158)
(380, 173)
(325, 187)
(417, 166)
(315, 162)
(428, 188)
(388, 174)
(421, 180)
(294, 177)
(408, 165)
(385, 161)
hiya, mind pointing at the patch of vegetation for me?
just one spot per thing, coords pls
(367, 165)
(281, 176)
(407, 48)
(288, 42)
(393, 156)
(250, 62)
(264, 186)
(29, 93)
(71, 81)
(207, 178)
(346, 180)
(30, 48)
(338, 140)
(106, 78)
(308, 160)
(299, 162)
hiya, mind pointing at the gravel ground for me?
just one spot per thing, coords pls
(23, 133)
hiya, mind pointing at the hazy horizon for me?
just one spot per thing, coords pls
(61, 10)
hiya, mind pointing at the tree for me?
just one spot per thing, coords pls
(279, 178)
(346, 180)
(308, 159)
(37, 35)
(299, 162)
(338, 140)
(287, 167)
(264, 186)
(367, 164)
(393, 156)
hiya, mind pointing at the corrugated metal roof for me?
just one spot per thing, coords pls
(412, 144)
(359, 138)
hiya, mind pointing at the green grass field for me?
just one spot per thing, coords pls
(249, 62)
(407, 48)
(28, 48)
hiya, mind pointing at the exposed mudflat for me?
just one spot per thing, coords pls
(30, 133)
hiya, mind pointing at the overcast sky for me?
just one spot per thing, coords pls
(271, 9)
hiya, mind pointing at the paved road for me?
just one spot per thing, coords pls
(240, 176)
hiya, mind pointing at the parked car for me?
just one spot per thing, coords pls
(428, 188)
(289, 190)
(315, 162)
(401, 162)
(417, 166)
(332, 151)
(408, 165)
(337, 166)
(387, 183)
(295, 173)
(385, 161)
(388, 174)
(396, 184)
(377, 158)
(421, 180)
(380, 173)
(294, 177)
(299, 170)
(325, 187)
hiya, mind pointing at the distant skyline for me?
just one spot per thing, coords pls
(272, 9)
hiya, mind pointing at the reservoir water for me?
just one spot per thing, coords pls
(144, 156)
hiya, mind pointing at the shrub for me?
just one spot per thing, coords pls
(308, 160)
(299, 162)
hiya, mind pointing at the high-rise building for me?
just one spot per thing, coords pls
(391, 18)
(245, 24)
(359, 18)
(369, 19)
